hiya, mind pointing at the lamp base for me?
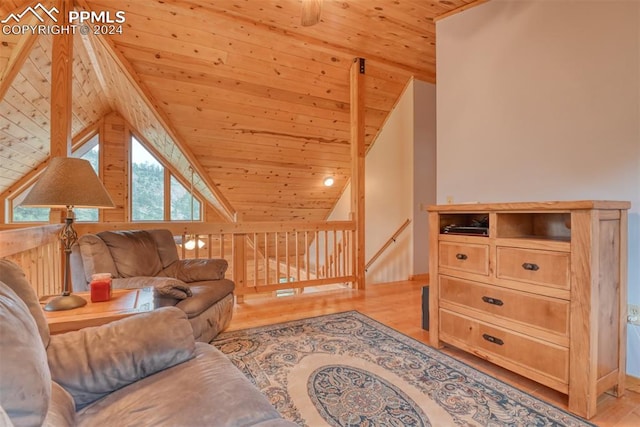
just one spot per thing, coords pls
(65, 302)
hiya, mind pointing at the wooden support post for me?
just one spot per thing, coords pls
(357, 166)
(61, 85)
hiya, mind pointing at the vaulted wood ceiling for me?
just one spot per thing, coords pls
(258, 103)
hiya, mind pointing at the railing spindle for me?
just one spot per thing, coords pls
(255, 259)
(287, 254)
(297, 258)
(317, 253)
(266, 258)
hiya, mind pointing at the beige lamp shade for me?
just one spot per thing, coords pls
(68, 181)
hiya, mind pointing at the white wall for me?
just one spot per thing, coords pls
(389, 193)
(540, 100)
(406, 142)
(424, 170)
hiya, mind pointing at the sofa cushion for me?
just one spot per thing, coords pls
(96, 257)
(166, 246)
(25, 380)
(134, 253)
(13, 276)
(205, 391)
(93, 362)
(204, 295)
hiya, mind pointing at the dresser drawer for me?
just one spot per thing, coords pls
(468, 257)
(545, 313)
(545, 268)
(529, 356)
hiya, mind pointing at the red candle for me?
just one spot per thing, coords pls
(100, 287)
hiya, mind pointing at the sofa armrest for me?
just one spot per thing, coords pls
(168, 291)
(93, 362)
(196, 270)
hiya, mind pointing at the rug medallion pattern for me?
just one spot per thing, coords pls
(346, 369)
(344, 395)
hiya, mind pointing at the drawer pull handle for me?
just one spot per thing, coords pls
(531, 267)
(461, 257)
(492, 339)
(494, 301)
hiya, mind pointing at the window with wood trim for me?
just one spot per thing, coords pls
(184, 206)
(147, 184)
(149, 180)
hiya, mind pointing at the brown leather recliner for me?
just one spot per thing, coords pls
(144, 370)
(149, 258)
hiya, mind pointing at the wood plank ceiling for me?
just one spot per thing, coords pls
(257, 101)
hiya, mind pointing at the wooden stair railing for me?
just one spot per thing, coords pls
(388, 243)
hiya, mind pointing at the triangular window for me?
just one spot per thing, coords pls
(148, 192)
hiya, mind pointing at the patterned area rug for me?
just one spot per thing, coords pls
(347, 369)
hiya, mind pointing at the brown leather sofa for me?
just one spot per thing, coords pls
(149, 258)
(144, 370)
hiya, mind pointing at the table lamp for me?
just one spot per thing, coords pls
(68, 182)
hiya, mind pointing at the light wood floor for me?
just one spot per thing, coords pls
(398, 305)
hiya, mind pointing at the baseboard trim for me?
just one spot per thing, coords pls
(419, 277)
(632, 384)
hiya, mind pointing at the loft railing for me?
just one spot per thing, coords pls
(37, 250)
(388, 243)
(263, 257)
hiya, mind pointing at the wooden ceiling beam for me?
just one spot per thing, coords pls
(61, 87)
(225, 208)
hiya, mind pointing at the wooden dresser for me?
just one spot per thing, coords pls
(537, 288)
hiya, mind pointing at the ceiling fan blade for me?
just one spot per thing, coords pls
(310, 13)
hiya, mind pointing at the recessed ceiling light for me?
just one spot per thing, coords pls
(328, 181)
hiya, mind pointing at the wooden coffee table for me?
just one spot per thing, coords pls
(123, 303)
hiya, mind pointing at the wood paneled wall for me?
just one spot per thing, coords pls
(114, 151)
